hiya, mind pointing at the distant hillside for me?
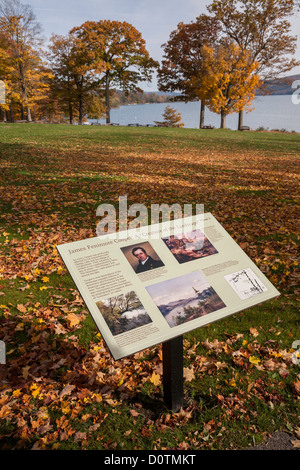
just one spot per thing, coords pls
(121, 98)
(280, 86)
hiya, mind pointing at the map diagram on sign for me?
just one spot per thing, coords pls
(245, 283)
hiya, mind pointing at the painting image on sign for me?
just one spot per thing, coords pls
(123, 312)
(185, 298)
(190, 246)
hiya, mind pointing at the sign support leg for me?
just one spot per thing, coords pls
(173, 373)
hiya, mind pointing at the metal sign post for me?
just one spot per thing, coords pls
(173, 373)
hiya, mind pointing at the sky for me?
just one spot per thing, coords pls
(155, 19)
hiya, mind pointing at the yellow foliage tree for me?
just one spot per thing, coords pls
(25, 74)
(263, 28)
(230, 79)
(3, 75)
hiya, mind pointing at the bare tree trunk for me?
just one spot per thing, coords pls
(107, 98)
(79, 98)
(24, 93)
(80, 104)
(80, 110)
(202, 114)
(11, 112)
(29, 118)
(241, 119)
(70, 113)
(223, 120)
(3, 112)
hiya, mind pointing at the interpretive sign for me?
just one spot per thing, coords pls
(148, 286)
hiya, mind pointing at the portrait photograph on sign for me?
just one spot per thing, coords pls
(142, 257)
(189, 246)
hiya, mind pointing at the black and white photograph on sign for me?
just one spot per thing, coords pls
(142, 257)
(190, 246)
(245, 283)
(185, 298)
(123, 313)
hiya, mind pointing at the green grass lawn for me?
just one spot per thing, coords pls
(60, 388)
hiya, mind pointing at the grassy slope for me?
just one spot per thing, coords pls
(52, 180)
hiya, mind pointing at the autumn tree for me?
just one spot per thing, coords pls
(262, 28)
(26, 71)
(4, 71)
(230, 79)
(76, 86)
(115, 52)
(71, 75)
(171, 118)
(182, 62)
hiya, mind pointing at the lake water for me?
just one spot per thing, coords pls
(172, 316)
(271, 112)
(134, 313)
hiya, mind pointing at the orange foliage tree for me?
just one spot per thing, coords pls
(74, 79)
(115, 52)
(182, 64)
